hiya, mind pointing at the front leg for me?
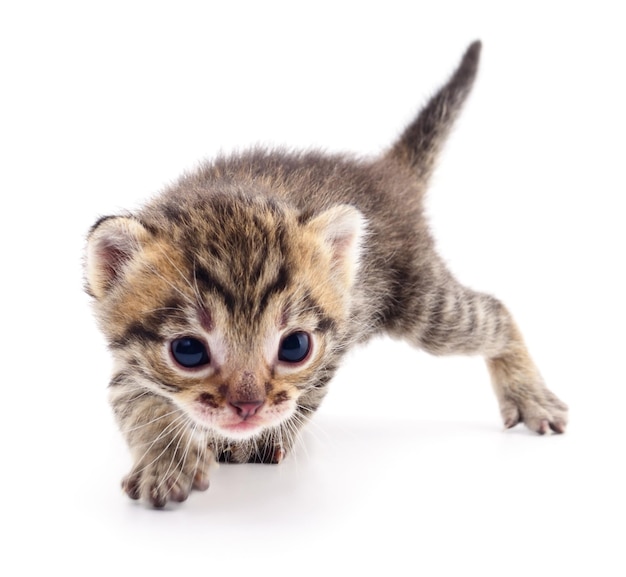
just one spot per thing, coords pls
(262, 450)
(171, 455)
(271, 446)
(456, 320)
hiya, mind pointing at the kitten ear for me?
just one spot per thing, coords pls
(112, 242)
(341, 229)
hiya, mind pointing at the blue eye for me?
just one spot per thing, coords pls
(190, 352)
(294, 348)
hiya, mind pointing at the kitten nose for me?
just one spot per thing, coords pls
(246, 409)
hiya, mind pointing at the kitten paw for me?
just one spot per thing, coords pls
(539, 409)
(247, 453)
(161, 479)
(270, 456)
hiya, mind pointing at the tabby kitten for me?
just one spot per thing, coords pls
(229, 300)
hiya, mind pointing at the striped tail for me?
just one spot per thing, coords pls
(421, 142)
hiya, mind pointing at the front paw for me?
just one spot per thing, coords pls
(162, 476)
(250, 452)
(538, 408)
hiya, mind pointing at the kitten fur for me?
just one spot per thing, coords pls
(255, 248)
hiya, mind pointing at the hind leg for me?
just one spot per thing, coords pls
(453, 319)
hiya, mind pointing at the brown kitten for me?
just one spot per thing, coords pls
(230, 299)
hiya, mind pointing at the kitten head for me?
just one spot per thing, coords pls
(231, 307)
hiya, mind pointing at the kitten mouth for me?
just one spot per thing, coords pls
(246, 425)
(241, 430)
(228, 423)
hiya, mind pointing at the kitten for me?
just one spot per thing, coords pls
(229, 300)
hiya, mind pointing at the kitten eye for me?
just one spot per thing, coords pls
(294, 348)
(189, 352)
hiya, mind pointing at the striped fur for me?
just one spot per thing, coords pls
(252, 247)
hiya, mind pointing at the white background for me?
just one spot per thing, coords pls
(406, 469)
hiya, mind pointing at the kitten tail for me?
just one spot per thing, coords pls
(421, 142)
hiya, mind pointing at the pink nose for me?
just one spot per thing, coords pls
(247, 409)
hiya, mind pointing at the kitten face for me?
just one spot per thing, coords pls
(233, 315)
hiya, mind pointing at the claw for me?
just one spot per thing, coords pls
(538, 408)
(131, 486)
(558, 427)
(179, 495)
(511, 422)
(176, 492)
(279, 455)
(201, 481)
(157, 500)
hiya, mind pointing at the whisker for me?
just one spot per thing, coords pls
(293, 427)
(183, 460)
(176, 423)
(180, 434)
(137, 427)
